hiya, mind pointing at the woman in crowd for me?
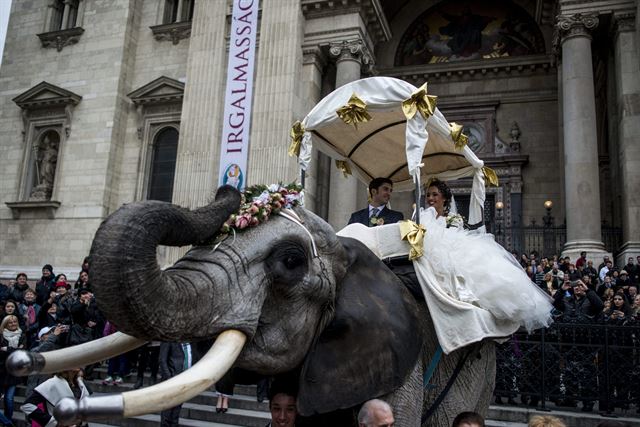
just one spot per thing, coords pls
(620, 310)
(64, 301)
(29, 311)
(550, 284)
(11, 309)
(83, 281)
(635, 309)
(19, 288)
(12, 339)
(608, 294)
(39, 405)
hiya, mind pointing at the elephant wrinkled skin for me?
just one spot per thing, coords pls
(343, 319)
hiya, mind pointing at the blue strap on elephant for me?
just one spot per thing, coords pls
(432, 368)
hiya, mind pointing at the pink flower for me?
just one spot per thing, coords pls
(277, 205)
(242, 222)
(254, 221)
(253, 209)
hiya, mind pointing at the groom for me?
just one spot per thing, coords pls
(377, 213)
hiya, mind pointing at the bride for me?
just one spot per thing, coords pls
(467, 274)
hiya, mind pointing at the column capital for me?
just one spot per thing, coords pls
(353, 50)
(577, 25)
(623, 22)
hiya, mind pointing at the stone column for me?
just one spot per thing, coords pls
(582, 188)
(275, 104)
(196, 175)
(343, 197)
(200, 126)
(627, 70)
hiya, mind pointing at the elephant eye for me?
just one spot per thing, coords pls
(293, 261)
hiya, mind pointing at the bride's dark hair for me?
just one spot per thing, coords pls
(444, 189)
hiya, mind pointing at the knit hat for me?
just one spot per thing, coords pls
(48, 267)
(61, 283)
(44, 331)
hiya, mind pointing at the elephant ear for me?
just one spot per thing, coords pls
(371, 345)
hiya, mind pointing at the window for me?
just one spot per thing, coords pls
(64, 14)
(177, 11)
(174, 21)
(62, 23)
(163, 165)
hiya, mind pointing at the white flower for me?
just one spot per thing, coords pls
(274, 188)
(264, 197)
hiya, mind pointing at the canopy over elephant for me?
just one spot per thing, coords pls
(306, 300)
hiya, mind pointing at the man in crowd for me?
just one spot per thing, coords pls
(45, 285)
(582, 261)
(468, 419)
(582, 306)
(377, 213)
(173, 359)
(631, 269)
(592, 272)
(376, 413)
(605, 260)
(282, 405)
(606, 284)
(606, 270)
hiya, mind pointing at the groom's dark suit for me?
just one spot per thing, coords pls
(389, 216)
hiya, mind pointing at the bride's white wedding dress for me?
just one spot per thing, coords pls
(473, 287)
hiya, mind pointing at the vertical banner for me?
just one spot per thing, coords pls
(237, 101)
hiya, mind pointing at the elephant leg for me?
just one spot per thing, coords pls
(407, 400)
(472, 389)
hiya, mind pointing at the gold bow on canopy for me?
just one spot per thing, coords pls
(419, 101)
(414, 234)
(459, 138)
(490, 176)
(296, 134)
(354, 112)
(344, 167)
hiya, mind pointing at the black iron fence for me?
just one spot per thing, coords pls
(591, 366)
(548, 240)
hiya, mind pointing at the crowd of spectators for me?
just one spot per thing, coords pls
(55, 313)
(591, 351)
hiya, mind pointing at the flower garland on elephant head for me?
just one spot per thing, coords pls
(260, 202)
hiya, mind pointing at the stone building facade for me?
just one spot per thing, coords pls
(112, 101)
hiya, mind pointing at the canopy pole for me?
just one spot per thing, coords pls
(417, 192)
(302, 177)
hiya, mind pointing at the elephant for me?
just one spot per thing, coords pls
(308, 301)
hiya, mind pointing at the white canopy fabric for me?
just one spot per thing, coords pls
(407, 151)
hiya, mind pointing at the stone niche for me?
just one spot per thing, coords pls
(47, 115)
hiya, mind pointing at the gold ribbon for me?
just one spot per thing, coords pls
(419, 101)
(354, 112)
(458, 137)
(490, 176)
(296, 134)
(344, 167)
(414, 234)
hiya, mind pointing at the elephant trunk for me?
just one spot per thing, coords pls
(140, 298)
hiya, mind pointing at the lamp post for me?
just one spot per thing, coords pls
(499, 208)
(548, 233)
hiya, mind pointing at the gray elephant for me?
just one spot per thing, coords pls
(307, 300)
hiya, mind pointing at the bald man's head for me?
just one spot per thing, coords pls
(376, 413)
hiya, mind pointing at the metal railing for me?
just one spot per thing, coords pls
(549, 240)
(572, 363)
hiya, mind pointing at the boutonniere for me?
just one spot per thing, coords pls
(455, 220)
(375, 220)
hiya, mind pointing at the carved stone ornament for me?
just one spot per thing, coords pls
(352, 50)
(578, 25)
(515, 133)
(60, 39)
(624, 22)
(173, 32)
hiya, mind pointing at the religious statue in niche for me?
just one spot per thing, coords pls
(45, 162)
(465, 30)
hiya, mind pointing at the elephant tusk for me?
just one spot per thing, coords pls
(218, 360)
(23, 363)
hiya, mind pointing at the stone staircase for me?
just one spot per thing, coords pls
(245, 411)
